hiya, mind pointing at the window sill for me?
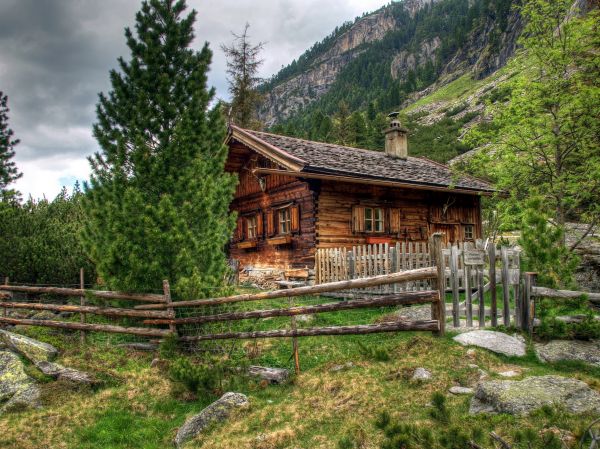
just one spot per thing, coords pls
(248, 244)
(280, 240)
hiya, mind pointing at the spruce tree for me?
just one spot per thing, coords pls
(158, 199)
(8, 170)
(242, 67)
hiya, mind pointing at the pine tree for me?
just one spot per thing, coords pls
(242, 67)
(8, 170)
(342, 129)
(158, 200)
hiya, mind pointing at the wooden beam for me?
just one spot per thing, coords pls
(106, 311)
(424, 325)
(565, 294)
(142, 331)
(402, 276)
(369, 181)
(424, 297)
(79, 292)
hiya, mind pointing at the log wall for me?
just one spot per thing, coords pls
(277, 190)
(421, 213)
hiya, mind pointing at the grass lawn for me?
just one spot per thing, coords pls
(139, 406)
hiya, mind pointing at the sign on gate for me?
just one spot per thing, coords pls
(474, 257)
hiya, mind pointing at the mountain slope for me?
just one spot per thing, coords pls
(384, 58)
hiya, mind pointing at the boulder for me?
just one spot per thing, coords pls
(575, 350)
(216, 412)
(34, 350)
(524, 396)
(461, 390)
(60, 372)
(272, 375)
(17, 389)
(44, 315)
(509, 373)
(494, 341)
(421, 375)
(150, 347)
(346, 366)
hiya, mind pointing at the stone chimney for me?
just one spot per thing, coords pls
(396, 138)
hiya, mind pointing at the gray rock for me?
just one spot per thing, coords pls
(272, 375)
(44, 315)
(461, 390)
(139, 346)
(527, 395)
(509, 373)
(17, 389)
(557, 350)
(493, 341)
(344, 367)
(421, 375)
(216, 412)
(60, 372)
(34, 350)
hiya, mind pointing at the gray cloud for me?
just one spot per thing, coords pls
(55, 56)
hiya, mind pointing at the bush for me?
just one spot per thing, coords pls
(196, 378)
(375, 353)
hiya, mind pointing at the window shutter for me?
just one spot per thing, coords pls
(241, 231)
(394, 220)
(358, 219)
(270, 223)
(259, 224)
(295, 218)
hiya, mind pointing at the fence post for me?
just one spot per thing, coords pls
(529, 303)
(492, 273)
(5, 310)
(505, 285)
(82, 303)
(454, 284)
(171, 310)
(438, 309)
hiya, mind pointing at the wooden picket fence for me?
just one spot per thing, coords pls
(470, 268)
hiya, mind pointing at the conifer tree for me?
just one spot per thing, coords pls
(342, 129)
(8, 170)
(158, 199)
(242, 67)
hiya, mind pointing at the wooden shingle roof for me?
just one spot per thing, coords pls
(305, 156)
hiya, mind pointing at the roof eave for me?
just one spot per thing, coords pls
(265, 149)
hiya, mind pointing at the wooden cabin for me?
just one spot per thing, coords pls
(295, 196)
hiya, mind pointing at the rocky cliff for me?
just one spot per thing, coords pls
(290, 96)
(486, 48)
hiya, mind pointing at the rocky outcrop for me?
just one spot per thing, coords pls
(573, 350)
(271, 375)
(523, 397)
(62, 373)
(216, 412)
(494, 341)
(34, 350)
(298, 92)
(405, 61)
(17, 389)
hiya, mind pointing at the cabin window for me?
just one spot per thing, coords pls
(469, 232)
(252, 223)
(285, 221)
(374, 221)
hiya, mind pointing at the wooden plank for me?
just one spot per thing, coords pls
(564, 294)
(105, 311)
(481, 294)
(492, 281)
(141, 331)
(423, 325)
(468, 298)
(422, 273)
(410, 298)
(82, 303)
(438, 311)
(454, 280)
(505, 285)
(77, 292)
(170, 310)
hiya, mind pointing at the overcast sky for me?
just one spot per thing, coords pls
(55, 56)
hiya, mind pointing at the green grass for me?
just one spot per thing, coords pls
(139, 407)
